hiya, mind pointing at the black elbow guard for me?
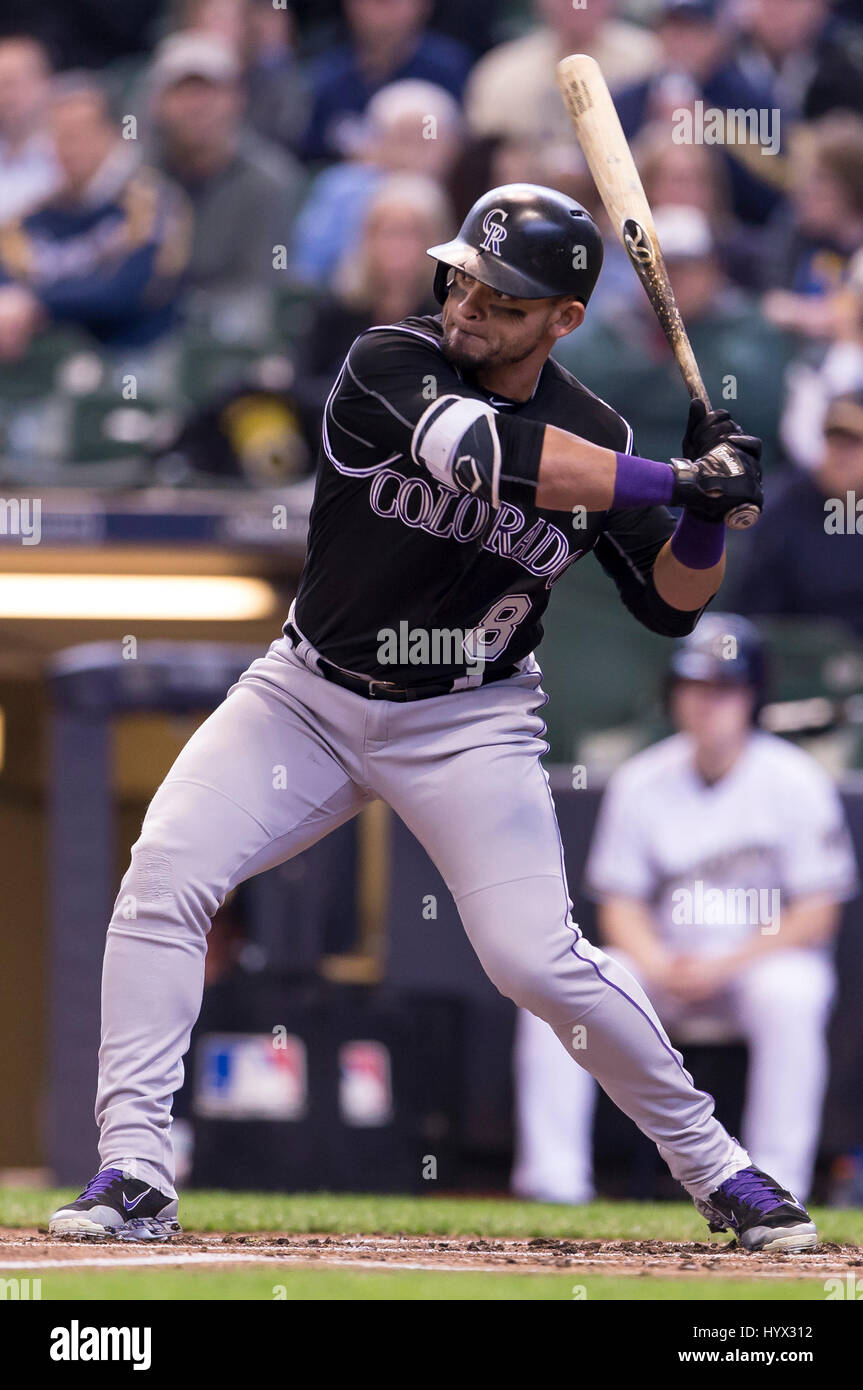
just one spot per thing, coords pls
(660, 617)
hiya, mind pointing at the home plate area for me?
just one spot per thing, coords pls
(36, 1250)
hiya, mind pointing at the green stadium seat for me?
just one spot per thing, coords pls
(603, 671)
(103, 428)
(231, 318)
(293, 310)
(811, 657)
(816, 687)
(208, 368)
(602, 668)
(35, 375)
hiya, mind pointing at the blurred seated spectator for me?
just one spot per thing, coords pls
(262, 37)
(513, 91)
(243, 190)
(812, 61)
(622, 354)
(696, 65)
(808, 245)
(28, 169)
(720, 859)
(384, 278)
(829, 364)
(389, 41)
(106, 251)
(697, 176)
(805, 556)
(489, 161)
(409, 127)
(681, 176)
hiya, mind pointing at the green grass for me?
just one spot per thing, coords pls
(295, 1285)
(428, 1215)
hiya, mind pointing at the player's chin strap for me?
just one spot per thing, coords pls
(456, 439)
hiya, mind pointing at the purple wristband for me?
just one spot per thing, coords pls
(641, 482)
(698, 544)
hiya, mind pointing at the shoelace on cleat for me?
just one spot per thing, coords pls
(753, 1189)
(99, 1185)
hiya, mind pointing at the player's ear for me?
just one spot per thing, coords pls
(568, 317)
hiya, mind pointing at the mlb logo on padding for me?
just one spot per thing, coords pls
(365, 1084)
(244, 1076)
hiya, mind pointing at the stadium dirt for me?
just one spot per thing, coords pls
(34, 1249)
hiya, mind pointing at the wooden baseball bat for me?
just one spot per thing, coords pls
(609, 158)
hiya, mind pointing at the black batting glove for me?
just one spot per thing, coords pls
(705, 429)
(726, 477)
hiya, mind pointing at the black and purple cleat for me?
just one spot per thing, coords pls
(764, 1216)
(116, 1204)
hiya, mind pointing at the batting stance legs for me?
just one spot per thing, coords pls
(286, 759)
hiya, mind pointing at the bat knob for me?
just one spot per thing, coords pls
(739, 518)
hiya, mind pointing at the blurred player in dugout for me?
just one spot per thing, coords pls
(687, 830)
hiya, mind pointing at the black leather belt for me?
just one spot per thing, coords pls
(373, 689)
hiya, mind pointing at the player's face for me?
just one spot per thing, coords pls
(484, 328)
(712, 713)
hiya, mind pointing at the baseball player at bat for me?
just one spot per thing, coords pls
(461, 473)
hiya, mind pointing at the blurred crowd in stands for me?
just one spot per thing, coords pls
(203, 201)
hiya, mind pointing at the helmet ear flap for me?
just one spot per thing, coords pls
(441, 275)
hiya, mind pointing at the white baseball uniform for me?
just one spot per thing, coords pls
(714, 863)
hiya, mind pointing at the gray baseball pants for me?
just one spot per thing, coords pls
(287, 758)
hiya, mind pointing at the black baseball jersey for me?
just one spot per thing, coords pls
(407, 578)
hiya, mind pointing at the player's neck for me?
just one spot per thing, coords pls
(515, 381)
(712, 763)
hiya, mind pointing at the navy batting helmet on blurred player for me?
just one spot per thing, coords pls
(726, 649)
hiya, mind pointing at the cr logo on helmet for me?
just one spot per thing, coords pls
(495, 231)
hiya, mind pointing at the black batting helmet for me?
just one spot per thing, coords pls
(527, 241)
(725, 648)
